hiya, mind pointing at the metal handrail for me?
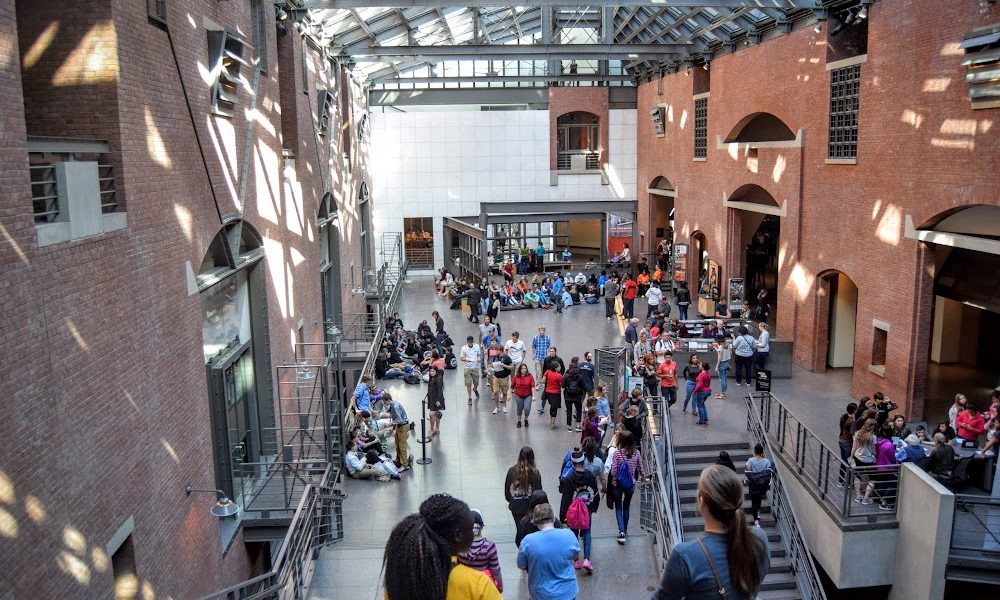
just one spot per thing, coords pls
(984, 528)
(803, 566)
(318, 522)
(821, 468)
(663, 500)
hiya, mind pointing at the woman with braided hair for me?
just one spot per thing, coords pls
(731, 557)
(420, 556)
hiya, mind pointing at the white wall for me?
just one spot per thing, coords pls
(444, 163)
(926, 514)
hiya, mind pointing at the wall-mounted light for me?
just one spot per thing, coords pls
(223, 508)
(862, 14)
(658, 115)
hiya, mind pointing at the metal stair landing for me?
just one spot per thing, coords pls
(780, 582)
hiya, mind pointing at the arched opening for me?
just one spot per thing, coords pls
(965, 307)
(662, 196)
(234, 333)
(756, 235)
(837, 316)
(760, 127)
(698, 261)
(578, 143)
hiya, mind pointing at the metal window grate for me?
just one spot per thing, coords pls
(226, 57)
(324, 101)
(44, 195)
(157, 10)
(701, 128)
(845, 90)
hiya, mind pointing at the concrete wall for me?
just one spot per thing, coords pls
(926, 510)
(443, 163)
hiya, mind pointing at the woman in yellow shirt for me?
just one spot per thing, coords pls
(420, 555)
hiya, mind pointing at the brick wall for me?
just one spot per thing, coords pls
(915, 127)
(106, 413)
(563, 100)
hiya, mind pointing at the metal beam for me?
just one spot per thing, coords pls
(519, 52)
(494, 209)
(482, 96)
(334, 4)
(501, 79)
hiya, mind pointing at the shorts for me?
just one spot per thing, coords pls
(500, 384)
(555, 402)
(472, 376)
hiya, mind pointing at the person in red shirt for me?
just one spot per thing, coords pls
(667, 372)
(552, 380)
(523, 385)
(629, 291)
(702, 390)
(970, 424)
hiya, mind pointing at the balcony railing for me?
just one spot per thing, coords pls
(44, 195)
(659, 506)
(420, 258)
(831, 480)
(588, 160)
(975, 539)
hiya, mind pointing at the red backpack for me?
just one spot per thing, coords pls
(578, 515)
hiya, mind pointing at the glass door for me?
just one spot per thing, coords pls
(235, 412)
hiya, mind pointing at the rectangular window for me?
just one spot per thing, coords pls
(123, 568)
(701, 128)
(259, 14)
(225, 53)
(845, 91)
(879, 341)
(157, 10)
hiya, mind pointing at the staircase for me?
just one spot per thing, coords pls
(779, 584)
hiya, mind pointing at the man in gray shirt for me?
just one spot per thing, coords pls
(610, 293)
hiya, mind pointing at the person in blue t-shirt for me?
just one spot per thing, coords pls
(548, 556)
(692, 567)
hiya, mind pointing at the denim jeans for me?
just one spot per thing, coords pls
(683, 309)
(724, 376)
(622, 501)
(688, 393)
(669, 395)
(587, 539)
(743, 364)
(699, 404)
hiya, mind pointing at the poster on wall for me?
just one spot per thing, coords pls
(735, 294)
(680, 262)
(714, 279)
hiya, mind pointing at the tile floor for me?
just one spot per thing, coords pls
(475, 449)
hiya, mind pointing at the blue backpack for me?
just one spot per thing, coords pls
(567, 468)
(623, 478)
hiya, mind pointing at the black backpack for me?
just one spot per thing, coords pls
(412, 379)
(573, 385)
(758, 482)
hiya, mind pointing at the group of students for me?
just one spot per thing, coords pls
(440, 553)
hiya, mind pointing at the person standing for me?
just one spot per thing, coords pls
(691, 371)
(523, 385)
(438, 323)
(743, 349)
(626, 468)
(683, 300)
(540, 257)
(654, 298)
(515, 349)
(435, 399)
(482, 554)
(763, 348)
(758, 472)
(629, 290)
(552, 379)
(845, 439)
(610, 290)
(581, 485)
(723, 354)
(729, 556)
(422, 550)
(667, 372)
(702, 390)
(551, 361)
(522, 480)
(547, 555)
(501, 368)
(540, 345)
(572, 385)
(401, 428)
(472, 359)
(970, 423)
(474, 299)
(664, 345)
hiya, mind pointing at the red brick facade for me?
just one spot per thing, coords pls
(921, 151)
(564, 100)
(106, 410)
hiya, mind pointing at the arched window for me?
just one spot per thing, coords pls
(578, 135)
(760, 127)
(328, 224)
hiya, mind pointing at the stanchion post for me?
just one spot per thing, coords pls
(423, 460)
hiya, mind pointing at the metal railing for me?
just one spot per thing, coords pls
(976, 526)
(803, 567)
(318, 521)
(592, 160)
(659, 507)
(44, 192)
(823, 471)
(420, 258)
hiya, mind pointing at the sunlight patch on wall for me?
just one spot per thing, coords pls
(911, 118)
(185, 219)
(74, 540)
(779, 168)
(99, 559)
(953, 144)
(6, 489)
(890, 226)
(952, 49)
(802, 281)
(74, 567)
(985, 125)
(225, 149)
(275, 256)
(684, 118)
(266, 193)
(959, 126)
(35, 509)
(93, 61)
(875, 209)
(8, 524)
(170, 450)
(13, 243)
(71, 326)
(938, 84)
(154, 141)
(38, 48)
(297, 257)
(615, 182)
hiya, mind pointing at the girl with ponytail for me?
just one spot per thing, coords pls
(730, 560)
(420, 556)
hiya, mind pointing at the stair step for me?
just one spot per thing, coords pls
(708, 457)
(692, 513)
(779, 595)
(778, 581)
(691, 531)
(695, 469)
(727, 446)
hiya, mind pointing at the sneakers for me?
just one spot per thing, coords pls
(576, 564)
(476, 391)
(404, 468)
(470, 401)
(886, 507)
(866, 503)
(505, 410)
(578, 429)
(569, 429)
(621, 537)
(540, 410)
(496, 410)
(518, 424)
(589, 568)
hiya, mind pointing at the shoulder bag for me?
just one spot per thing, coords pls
(715, 572)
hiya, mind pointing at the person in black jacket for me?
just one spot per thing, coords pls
(683, 300)
(573, 391)
(525, 526)
(473, 297)
(580, 484)
(435, 400)
(438, 323)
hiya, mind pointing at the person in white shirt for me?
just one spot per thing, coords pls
(654, 295)
(472, 358)
(580, 279)
(663, 346)
(763, 348)
(515, 350)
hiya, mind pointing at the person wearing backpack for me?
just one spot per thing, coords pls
(580, 499)
(744, 346)
(758, 471)
(572, 385)
(683, 300)
(626, 467)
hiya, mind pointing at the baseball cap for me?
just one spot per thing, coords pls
(577, 455)
(477, 517)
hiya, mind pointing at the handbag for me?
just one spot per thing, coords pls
(715, 572)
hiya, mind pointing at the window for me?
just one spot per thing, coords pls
(577, 142)
(845, 90)
(880, 339)
(260, 19)
(225, 54)
(364, 209)
(982, 59)
(418, 239)
(362, 128)
(324, 101)
(157, 10)
(701, 128)
(123, 568)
